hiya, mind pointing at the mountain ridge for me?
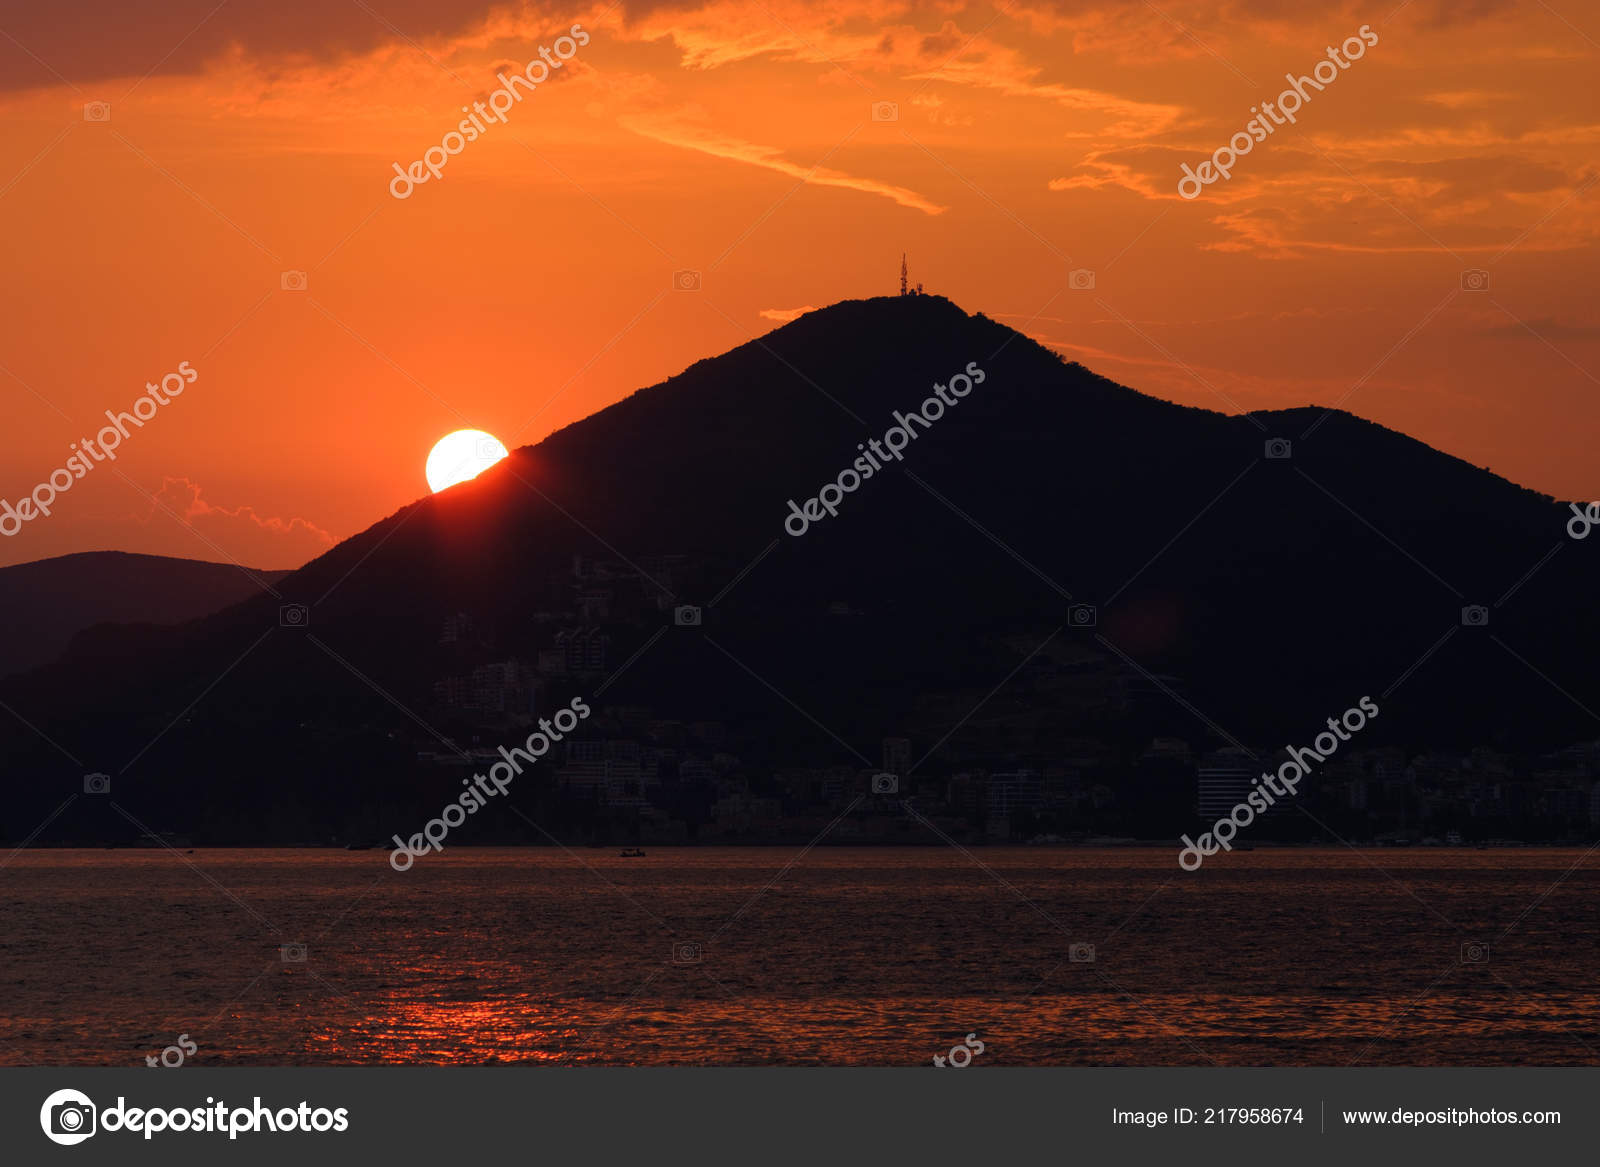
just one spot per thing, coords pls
(1236, 596)
(64, 595)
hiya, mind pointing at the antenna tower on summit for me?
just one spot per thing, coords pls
(903, 290)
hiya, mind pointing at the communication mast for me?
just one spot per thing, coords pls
(903, 290)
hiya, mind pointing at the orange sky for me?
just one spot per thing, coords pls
(533, 282)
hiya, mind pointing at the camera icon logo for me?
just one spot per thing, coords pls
(1080, 953)
(68, 1117)
(1278, 449)
(1474, 953)
(97, 783)
(1083, 616)
(1474, 279)
(686, 953)
(97, 111)
(885, 111)
(294, 616)
(292, 953)
(1080, 280)
(886, 784)
(686, 616)
(686, 281)
(293, 281)
(1474, 616)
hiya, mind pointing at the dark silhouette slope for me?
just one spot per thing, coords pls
(46, 602)
(1239, 597)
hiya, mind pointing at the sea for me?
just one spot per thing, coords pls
(887, 956)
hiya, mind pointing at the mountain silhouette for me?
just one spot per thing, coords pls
(49, 601)
(1056, 560)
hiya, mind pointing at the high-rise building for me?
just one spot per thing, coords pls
(897, 755)
(1221, 788)
(584, 649)
(1019, 790)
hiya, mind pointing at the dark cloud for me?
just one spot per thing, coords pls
(1495, 174)
(91, 41)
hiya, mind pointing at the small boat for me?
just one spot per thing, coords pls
(166, 839)
(633, 853)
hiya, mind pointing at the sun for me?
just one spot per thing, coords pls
(460, 456)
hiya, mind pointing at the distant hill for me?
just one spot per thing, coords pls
(1239, 596)
(45, 603)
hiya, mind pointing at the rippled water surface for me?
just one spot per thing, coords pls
(839, 956)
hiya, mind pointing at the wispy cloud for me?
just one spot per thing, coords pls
(692, 137)
(238, 528)
(1543, 328)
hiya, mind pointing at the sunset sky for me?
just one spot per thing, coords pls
(533, 283)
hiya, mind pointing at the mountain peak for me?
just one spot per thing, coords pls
(1259, 586)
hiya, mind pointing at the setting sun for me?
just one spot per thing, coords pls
(460, 456)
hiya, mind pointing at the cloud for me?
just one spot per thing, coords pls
(1005, 71)
(1153, 171)
(240, 531)
(784, 315)
(937, 114)
(1543, 328)
(99, 39)
(675, 132)
(848, 34)
(1468, 98)
(91, 41)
